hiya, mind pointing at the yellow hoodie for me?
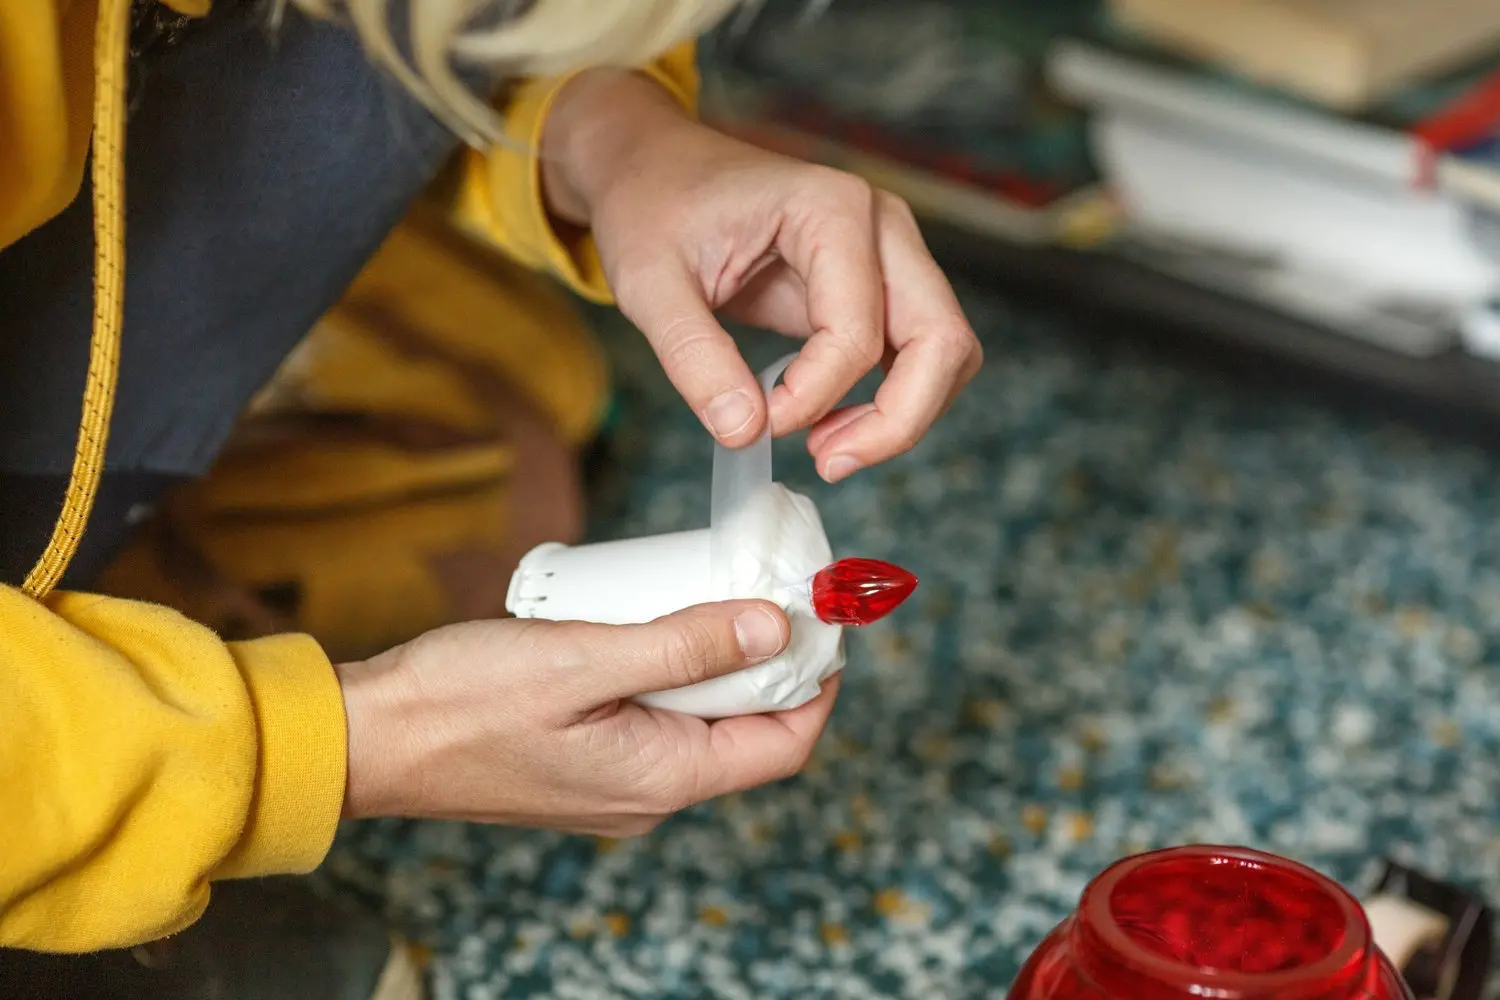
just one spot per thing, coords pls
(140, 757)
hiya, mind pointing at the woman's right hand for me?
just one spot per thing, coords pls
(530, 723)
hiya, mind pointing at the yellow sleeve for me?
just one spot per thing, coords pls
(141, 759)
(499, 195)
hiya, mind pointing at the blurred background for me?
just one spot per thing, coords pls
(1323, 167)
(1209, 551)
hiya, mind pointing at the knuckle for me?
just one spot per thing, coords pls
(847, 191)
(896, 207)
(959, 343)
(961, 351)
(563, 646)
(870, 348)
(644, 826)
(636, 826)
(907, 437)
(658, 798)
(857, 191)
(690, 652)
(687, 346)
(976, 360)
(670, 802)
(797, 761)
(858, 349)
(664, 782)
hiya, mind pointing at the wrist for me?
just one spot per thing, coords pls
(374, 707)
(597, 128)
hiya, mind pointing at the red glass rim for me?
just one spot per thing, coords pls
(1095, 910)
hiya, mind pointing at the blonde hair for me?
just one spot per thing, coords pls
(514, 38)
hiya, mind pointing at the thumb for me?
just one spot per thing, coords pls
(698, 644)
(697, 354)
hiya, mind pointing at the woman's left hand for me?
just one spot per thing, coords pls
(690, 222)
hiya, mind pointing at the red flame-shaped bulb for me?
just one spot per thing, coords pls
(859, 591)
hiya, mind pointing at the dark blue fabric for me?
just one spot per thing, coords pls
(29, 505)
(262, 173)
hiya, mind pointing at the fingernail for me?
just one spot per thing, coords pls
(729, 413)
(840, 467)
(759, 634)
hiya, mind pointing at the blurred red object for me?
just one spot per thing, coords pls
(1222, 922)
(1472, 118)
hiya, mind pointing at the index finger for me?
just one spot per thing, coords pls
(751, 750)
(666, 302)
(936, 355)
(829, 240)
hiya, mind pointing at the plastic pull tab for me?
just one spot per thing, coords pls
(740, 476)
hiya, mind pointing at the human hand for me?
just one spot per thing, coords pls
(529, 723)
(690, 222)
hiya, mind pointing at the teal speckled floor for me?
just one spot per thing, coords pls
(1156, 607)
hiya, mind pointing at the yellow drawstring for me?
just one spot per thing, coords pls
(111, 52)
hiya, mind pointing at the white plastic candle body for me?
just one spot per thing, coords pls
(612, 583)
(763, 541)
(782, 545)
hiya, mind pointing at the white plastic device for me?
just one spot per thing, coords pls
(763, 541)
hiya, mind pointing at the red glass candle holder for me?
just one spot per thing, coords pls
(1220, 922)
